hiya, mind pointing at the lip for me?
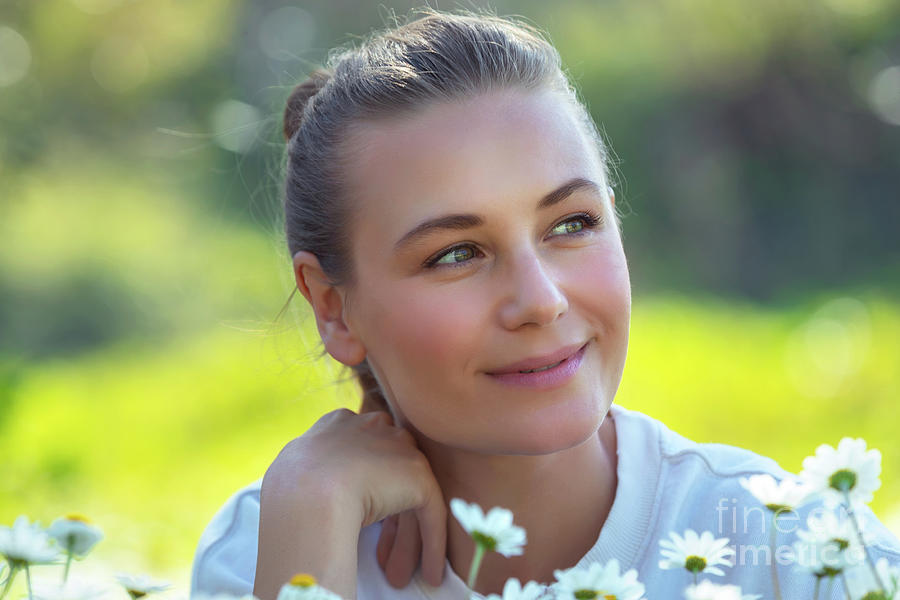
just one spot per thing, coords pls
(549, 379)
(539, 361)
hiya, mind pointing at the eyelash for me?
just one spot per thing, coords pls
(590, 220)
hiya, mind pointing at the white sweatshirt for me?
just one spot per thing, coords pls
(666, 483)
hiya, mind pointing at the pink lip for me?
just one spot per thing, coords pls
(539, 361)
(550, 378)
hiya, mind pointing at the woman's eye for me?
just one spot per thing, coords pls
(455, 256)
(579, 223)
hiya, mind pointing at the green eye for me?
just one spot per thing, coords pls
(457, 255)
(578, 224)
(572, 225)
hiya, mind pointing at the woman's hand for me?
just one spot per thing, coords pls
(349, 471)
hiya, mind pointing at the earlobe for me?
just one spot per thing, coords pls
(327, 302)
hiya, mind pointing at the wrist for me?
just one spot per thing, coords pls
(316, 532)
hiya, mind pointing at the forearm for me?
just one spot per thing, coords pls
(318, 538)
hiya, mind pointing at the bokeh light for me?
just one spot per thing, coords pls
(15, 56)
(829, 347)
(235, 125)
(884, 94)
(286, 33)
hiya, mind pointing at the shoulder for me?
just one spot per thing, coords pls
(678, 454)
(225, 560)
(693, 485)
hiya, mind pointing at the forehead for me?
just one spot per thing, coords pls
(500, 148)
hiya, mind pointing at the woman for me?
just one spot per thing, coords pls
(451, 224)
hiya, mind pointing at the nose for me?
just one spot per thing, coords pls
(534, 294)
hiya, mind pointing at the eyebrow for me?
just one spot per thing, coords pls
(459, 222)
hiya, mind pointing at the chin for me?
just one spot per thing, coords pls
(551, 435)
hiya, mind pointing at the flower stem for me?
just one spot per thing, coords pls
(68, 564)
(9, 580)
(695, 577)
(828, 594)
(859, 536)
(772, 539)
(28, 581)
(846, 588)
(476, 565)
(816, 590)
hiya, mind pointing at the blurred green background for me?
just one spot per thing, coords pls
(143, 378)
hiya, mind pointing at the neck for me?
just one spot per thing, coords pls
(561, 499)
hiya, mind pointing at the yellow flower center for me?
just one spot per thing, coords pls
(843, 480)
(593, 594)
(303, 580)
(77, 517)
(695, 564)
(489, 543)
(842, 544)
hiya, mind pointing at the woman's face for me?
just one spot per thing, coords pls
(511, 277)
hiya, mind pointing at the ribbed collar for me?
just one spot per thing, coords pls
(638, 470)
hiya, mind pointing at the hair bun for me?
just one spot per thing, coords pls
(300, 95)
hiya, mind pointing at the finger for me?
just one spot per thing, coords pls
(386, 540)
(405, 553)
(432, 519)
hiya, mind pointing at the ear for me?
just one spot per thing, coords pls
(612, 195)
(328, 304)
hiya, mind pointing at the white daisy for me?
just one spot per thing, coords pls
(598, 581)
(139, 586)
(26, 544)
(849, 469)
(494, 531)
(707, 590)
(513, 590)
(71, 589)
(697, 554)
(304, 587)
(828, 546)
(785, 495)
(862, 585)
(75, 534)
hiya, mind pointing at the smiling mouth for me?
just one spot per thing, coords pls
(575, 350)
(547, 377)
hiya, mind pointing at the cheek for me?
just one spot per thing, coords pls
(429, 329)
(601, 284)
(423, 343)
